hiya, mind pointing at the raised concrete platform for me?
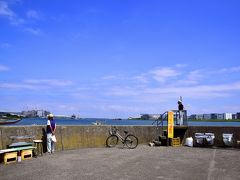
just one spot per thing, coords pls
(144, 162)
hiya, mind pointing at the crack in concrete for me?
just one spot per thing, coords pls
(211, 165)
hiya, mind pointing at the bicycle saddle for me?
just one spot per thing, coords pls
(125, 132)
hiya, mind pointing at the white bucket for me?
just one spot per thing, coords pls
(228, 139)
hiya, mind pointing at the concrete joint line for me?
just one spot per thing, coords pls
(211, 165)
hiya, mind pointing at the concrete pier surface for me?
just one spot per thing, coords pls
(144, 162)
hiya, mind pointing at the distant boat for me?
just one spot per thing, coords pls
(97, 123)
(73, 116)
(117, 119)
(9, 121)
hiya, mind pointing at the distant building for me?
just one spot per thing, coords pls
(196, 117)
(193, 117)
(199, 116)
(227, 116)
(42, 113)
(206, 116)
(29, 114)
(35, 113)
(214, 116)
(150, 116)
(234, 116)
(238, 115)
(220, 116)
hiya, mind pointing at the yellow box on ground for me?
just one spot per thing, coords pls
(176, 141)
(26, 154)
(10, 157)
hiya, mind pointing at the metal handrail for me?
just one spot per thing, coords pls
(164, 116)
(160, 118)
(159, 122)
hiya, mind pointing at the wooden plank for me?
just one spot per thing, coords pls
(16, 149)
(20, 144)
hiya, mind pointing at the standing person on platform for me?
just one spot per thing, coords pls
(51, 128)
(180, 110)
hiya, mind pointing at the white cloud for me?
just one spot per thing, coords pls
(5, 45)
(34, 31)
(158, 74)
(195, 75)
(49, 82)
(119, 108)
(5, 11)
(35, 84)
(32, 14)
(117, 91)
(181, 65)
(197, 91)
(17, 21)
(4, 68)
(188, 83)
(141, 78)
(164, 93)
(162, 74)
(192, 78)
(230, 70)
(110, 77)
(19, 86)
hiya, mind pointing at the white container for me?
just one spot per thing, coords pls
(228, 139)
(210, 138)
(199, 138)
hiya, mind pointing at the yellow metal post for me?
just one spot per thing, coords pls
(170, 124)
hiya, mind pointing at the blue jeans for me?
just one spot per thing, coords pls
(180, 118)
(50, 143)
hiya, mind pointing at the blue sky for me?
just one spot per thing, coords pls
(119, 58)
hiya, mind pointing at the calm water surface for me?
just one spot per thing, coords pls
(90, 121)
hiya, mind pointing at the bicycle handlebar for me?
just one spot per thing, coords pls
(113, 130)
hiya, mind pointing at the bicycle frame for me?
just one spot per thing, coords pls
(129, 140)
(116, 132)
(120, 137)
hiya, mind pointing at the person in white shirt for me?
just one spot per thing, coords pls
(51, 128)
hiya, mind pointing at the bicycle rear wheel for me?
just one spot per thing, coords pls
(112, 141)
(131, 141)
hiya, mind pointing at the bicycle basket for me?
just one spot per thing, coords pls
(113, 131)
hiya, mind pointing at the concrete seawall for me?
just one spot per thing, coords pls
(75, 137)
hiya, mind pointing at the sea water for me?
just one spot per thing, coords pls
(91, 121)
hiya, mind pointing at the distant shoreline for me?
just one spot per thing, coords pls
(195, 120)
(214, 120)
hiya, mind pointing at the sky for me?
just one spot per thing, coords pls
(119, 58)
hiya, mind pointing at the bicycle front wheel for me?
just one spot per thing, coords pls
(131, 141)
(112, 141)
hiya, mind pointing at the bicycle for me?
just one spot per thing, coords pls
(129, 140)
